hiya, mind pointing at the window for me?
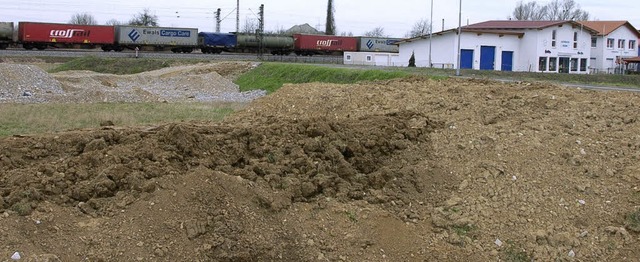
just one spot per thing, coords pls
(368, 58)
(542, 64)
(553, 62)
(632, 44)
(609, 42)
(620, 43)
(553, 38)
(583, 65)
(575, 40)
(574, 64)
(348, 57)
(594, 42)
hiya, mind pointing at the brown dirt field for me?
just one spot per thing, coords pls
(402, 170)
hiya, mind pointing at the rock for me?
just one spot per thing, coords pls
(16, 256)
(463, 185)
(572, 254)
(498, 242)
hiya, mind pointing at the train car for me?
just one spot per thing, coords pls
(308, 45)
(374, 44)
(6, 34)
(215, 43)
(179, 40)
(42, 35)
(274, 44)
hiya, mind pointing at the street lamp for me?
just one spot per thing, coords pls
(459, 33)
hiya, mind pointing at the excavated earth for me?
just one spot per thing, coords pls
(402, 170)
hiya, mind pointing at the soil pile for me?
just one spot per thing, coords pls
(402, 170)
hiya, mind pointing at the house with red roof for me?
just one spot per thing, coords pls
(613, 42)
(506, 45)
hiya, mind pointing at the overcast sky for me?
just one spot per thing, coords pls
(356, 16)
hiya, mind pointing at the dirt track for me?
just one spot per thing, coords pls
(404, 170)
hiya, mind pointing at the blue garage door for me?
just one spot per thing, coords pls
(466, 58)
(487, 57)
(507, 61)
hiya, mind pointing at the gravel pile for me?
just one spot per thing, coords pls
(26, 83)
(192, 83)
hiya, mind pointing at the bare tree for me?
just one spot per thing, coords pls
(83, 19)
(529, 11)
(420, 28)
(330, 26)
(145, 18)
(346, 34)
(554, 10)
(376, 32)
(250, 26)
(113, 22)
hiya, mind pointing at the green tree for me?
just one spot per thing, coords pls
(330, 27)
(412, 60)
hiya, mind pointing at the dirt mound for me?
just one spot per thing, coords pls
(403, 170)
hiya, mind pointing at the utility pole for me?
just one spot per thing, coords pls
(238, 17)
(459, 36)
(260, 32)
(431, 35)
(218, 21)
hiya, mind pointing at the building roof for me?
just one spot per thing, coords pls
(303, 29)
(607, 27)
(464, 30)
(523, 25)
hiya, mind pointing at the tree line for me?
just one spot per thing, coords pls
(144, 18)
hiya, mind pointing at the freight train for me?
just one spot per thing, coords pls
(31, 35)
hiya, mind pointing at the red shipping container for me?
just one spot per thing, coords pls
(65, 33)
(325, 42)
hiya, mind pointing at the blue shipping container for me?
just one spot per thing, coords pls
(219, 40)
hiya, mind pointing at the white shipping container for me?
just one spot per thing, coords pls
(165, 36)
(373, 44)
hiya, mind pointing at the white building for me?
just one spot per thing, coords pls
(529, 46)
(614, 40)
(371, 58)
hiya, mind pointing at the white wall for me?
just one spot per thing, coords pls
(605, 56)
(371, 58)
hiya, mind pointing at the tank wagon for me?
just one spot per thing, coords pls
(6, 34)
(42, 35)
(215, 43)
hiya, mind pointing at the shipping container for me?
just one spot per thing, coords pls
(374, 44)
(177, 39)
(40, 35)
(324, 44)
(215, 43)
(6, 34)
